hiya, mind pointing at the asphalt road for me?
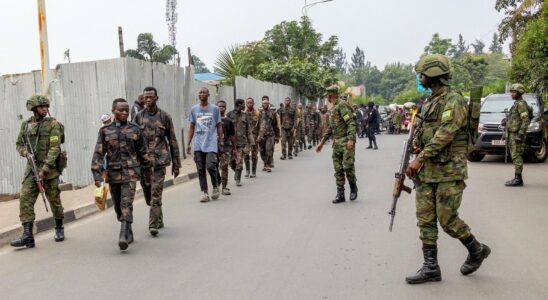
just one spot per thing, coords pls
(279, 237)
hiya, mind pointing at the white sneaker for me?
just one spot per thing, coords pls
(216, 193)
(226, 191)
(205, 198)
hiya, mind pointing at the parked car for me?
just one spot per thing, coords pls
(490, 132)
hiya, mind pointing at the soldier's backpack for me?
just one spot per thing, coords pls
(62, 159)
(474, 106)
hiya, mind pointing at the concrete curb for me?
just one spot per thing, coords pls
(10, 233)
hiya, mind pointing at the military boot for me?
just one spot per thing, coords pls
(370, 145)
(238, 177)
(283, 155)
(477, 252)
(340, 195)
(375, 145)
(353, 191)
(246, 169)
(123, 239)
(253, 170)
(27, 239)
(517, 181)
(59, 230)
(130, 234)
(430, 270)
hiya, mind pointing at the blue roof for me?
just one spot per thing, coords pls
(208, 77)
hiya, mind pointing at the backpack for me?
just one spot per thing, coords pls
(62, 159)
(474, 106)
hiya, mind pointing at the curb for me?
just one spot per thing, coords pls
(10, 233)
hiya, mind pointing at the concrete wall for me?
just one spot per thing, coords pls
(81, 92)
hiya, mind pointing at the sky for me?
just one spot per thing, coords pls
(388, 30)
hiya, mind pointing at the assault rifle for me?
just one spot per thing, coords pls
(34, 167)
(399, 184)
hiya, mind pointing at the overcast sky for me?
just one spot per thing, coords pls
(388, 30)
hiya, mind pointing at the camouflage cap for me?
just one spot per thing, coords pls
(518, 87)
(334, 89)
(37, 100)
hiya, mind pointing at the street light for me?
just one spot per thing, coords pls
(307, 6)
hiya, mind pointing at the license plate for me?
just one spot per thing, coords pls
(498, 142)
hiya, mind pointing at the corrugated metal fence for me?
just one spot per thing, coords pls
(82, 92)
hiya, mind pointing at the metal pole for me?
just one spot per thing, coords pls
(121, 41)
(44, 49)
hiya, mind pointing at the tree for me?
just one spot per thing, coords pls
(148, 49)
(461, 48)
(340, 61)
(369, 75)
(518, 14)
(439, 45)
(478, 46)
(396, 78)
(496, 46)
(358, 59)
(199, 66)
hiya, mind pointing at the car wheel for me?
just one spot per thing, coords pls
(539, 155)
(475, 156)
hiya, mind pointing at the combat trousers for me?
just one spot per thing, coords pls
(237, 159)
(310, 135)
(343, 163)
(122, 197)
(287, 142)
(224, 162)
(29, 194)
(253, 154)
(267, 150)
(371, 133)
(153, 196)
(516, 152)
(206, 161)
(440, 202)
(301, 138)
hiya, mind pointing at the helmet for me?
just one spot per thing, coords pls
(518, 87)
(334, 89)
(433, 65)
(37, 100)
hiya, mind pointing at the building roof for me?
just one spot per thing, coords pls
(208, 77)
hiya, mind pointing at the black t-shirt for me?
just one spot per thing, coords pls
(228, 131)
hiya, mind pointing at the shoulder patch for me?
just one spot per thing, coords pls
(524, 114)
(447, 115)
(54, 140)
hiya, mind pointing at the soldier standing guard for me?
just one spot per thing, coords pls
(518, 123)
(441, 141)
(157, 127)
(39, 140)
(126, 152)
(342, 128)
(269, 134)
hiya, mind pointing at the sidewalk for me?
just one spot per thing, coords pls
(77, 204)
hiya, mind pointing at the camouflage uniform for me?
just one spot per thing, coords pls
(324, 123)
(158, 130)
(226, 151)
(288, 121)
(396, 120)
(316, 118)
(518, 122)
(126, 152)
(300, 136)
(268, 134)
(342, 128)
(252, 156)
(442, 136)
(45, 139)
(244, 137)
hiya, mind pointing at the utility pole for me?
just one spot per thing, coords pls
(171, 19)
(121, 41)
(44, 48)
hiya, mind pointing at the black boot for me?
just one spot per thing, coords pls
(353, 191)
(246, 169)
(283, 155)
(517, 181)
(59, 230)
(130, 234)
(477, 252)
(375, 145)
(430, 270)
(27, 239)
(370, 145)
(238, 177)
(340, 195)
(123, 239)
(253, 170)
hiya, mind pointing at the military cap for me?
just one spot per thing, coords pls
(518, 87)
(334, 89)
(37, 100)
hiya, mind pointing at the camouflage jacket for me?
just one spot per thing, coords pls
(288, 117)
(126, 151)
(518, 119)
(268, 125)
(160, 135)
(45, 140)
(243, 129)
(253, 117)
(342, 126)
(442, 137)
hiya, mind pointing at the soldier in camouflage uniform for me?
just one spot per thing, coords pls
(300, 138)
(45, 136)
(252, 156)
(441, 142)
(228, 146)
(157, 127)
(126, 152)
(244, 138)
(324, 120)
(518, 123)
(288, 124)
(342, 128)
(317, 119)
(269, 134)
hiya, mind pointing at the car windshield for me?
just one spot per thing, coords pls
(499, 104)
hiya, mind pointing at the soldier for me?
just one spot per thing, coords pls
(244, 138)
(288, 124)
(518, 123)
(324, 120)
(310, 125)
(126, 152)
(371, 123)
(396, 120)
(269, 134)
(229, 145)
(41, 135)
(157, 127)
(253, 152)
(342, 128)
(317, 125)
(441, 142)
